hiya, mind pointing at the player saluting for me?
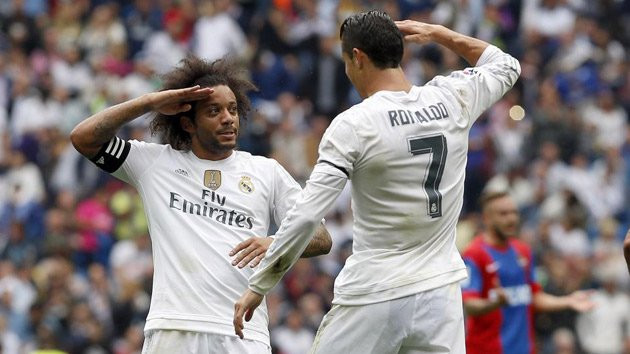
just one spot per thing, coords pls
(202, 198)
(404, 148)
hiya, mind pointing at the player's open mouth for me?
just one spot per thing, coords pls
(228, 134)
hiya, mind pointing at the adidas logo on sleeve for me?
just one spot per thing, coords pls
(112, 154)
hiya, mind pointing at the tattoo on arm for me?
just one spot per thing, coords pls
(89, 135)
(320, 243)
(104, 130)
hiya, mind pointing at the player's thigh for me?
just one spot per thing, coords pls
(438, 325)
(374, 328)
(174, 341)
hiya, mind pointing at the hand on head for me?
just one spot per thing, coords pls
(171, 102)
(416, 32)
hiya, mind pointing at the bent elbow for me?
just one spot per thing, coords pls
(327, 244)
(75, 139)
(80, 141)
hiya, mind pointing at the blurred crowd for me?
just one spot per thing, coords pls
(75, 254)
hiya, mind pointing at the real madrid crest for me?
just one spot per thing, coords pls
(212, 179)
(246, 185)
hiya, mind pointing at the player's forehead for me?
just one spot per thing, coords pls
(504, 203)
(221, 95)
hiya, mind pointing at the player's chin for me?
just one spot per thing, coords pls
(227, 140)
(511, 231)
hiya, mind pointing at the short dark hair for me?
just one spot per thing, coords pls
(376, 34)
(193, 71)
(487, 197)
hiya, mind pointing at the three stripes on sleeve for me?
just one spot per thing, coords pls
(112, 154)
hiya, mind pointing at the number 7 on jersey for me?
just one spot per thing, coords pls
(435, 146)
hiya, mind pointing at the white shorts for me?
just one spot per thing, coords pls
(175, 341)
(428, 322)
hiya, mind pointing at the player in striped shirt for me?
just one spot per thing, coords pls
(501, 293)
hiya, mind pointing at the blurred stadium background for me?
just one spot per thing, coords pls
(75, 265)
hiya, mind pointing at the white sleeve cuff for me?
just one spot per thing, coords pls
(490, 53)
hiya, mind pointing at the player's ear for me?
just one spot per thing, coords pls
(355, 57)
(187, 124)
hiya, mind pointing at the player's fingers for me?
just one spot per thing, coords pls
(241, 246)
(253, 254)
(201, 92)
(249, 314)
(405, 26)
(257, 260)
(193, 93)
(238, 320)
(245, 253)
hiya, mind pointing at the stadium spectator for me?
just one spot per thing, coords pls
(165, 48)
(605, 328)
(216, 22)
(293, 337)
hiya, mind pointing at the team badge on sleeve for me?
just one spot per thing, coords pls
(212, 179)
(246, 185)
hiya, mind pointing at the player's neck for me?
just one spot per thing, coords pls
(386, 80)
(206, 154)
(495, 240)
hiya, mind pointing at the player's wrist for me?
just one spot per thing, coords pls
(440, 34)
(146, 101)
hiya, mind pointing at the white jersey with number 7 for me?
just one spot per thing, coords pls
(405, 153)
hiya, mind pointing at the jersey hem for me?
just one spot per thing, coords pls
(205, 326)
(393, 293)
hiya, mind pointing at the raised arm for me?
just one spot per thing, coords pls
(475, 89)
(89, 136)
(468, 48)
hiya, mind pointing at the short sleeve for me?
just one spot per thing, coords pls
(473, 286)
(475, 89)
(340, 147)
(533, 283)
(140, 158)
(286, 192)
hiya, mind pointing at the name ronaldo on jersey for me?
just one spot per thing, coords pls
(423, 115)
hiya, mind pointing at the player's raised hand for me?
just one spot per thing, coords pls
(416, 32)
(250, 251)
(245, 306)
(175, 101)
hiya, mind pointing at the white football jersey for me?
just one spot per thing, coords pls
(405, 153)
(198, 210)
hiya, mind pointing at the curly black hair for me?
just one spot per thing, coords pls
(193, 71)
